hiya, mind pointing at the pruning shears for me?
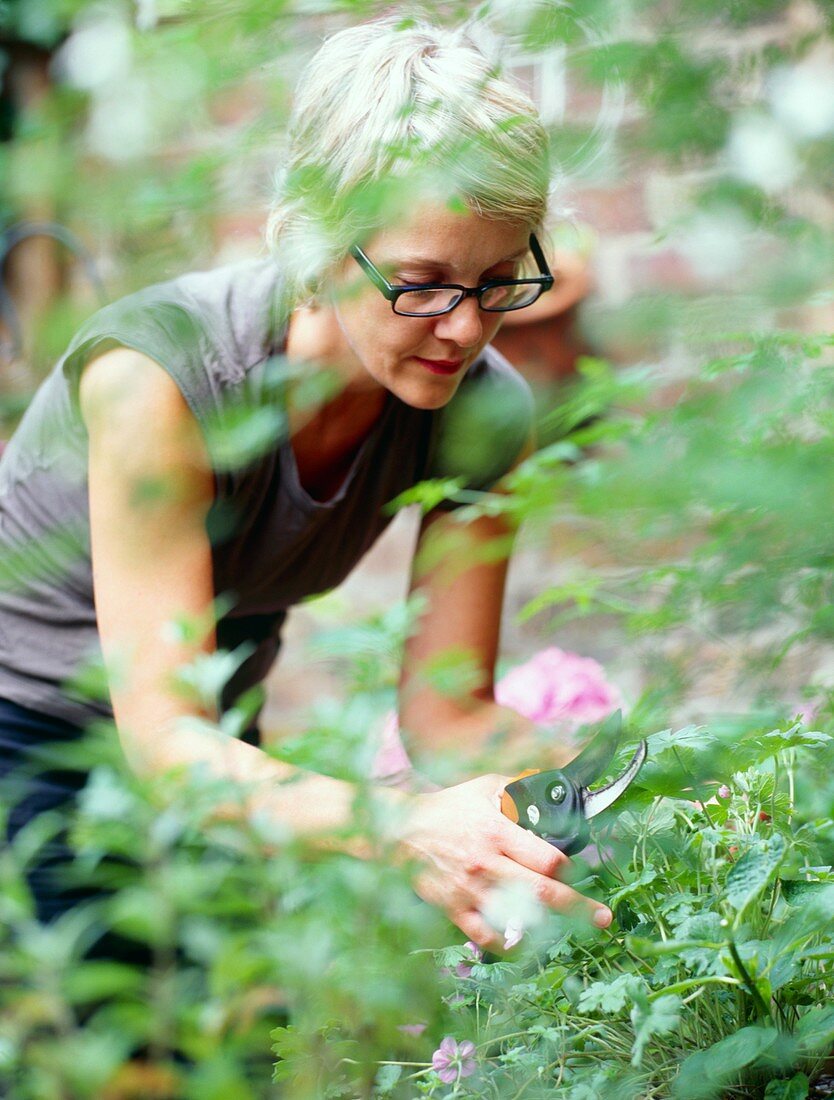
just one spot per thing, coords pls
(558, 804)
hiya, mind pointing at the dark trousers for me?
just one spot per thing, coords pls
(32, 782)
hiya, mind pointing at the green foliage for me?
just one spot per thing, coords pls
(708, 515)
(716, 978)
(707, 1072)
(710, 983)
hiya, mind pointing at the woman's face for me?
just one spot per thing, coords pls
(423, 359)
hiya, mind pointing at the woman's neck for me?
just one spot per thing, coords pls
(328, 438)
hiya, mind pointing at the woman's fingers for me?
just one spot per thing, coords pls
(539, 864)
(557, 895)
(524, 847)
(468, 850)
(476, 928)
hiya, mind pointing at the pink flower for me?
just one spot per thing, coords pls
(412, 1029)
(513, 934)
(464, 969)
(555, 684)
(453, 1060)
(724, 791)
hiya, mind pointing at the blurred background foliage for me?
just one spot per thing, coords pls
(678, 514)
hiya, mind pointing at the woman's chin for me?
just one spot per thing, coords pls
(427, 397)
(429, 392)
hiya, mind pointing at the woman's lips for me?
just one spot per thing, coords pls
(440, 366)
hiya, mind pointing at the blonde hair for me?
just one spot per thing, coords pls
(387, 112)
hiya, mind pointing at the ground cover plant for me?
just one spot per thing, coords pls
(716, 978)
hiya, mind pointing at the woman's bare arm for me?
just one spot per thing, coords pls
(150, 487)
(460, 570)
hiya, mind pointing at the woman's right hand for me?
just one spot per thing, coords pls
(466, 848)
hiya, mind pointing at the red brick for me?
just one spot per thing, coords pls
(583, 100)
(661, 269)
(616, 209)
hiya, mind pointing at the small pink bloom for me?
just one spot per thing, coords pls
(724, 791)
(453, 1060)
(555, 684)
(464, 969)
(513, 934)
(412, 1029)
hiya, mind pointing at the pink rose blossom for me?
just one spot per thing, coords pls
(556, 685)
(453, 1060)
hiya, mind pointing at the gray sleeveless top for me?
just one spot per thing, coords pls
(216, 333)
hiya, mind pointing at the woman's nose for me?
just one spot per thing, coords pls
(464, 325)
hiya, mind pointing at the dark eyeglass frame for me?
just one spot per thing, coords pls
(544, 280)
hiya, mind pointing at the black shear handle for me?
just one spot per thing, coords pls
(549, 804)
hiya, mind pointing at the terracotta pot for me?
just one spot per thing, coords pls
(542, 340)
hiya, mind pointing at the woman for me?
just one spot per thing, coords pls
(405, 224)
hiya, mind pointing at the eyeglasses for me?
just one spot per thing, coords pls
(434, 299)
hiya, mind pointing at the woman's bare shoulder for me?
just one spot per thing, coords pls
(133, 406)
(121, 378)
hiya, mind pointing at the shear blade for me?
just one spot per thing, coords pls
(594, 802)
(591, 763)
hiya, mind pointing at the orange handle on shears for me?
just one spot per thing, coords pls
(508, 806)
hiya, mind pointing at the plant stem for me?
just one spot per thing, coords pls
(688, 983)
(749, 983)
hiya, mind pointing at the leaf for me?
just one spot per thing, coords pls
(294, 1048)
(654, 820)
(205, 677)
(815, 1031)
(748, 878)
(650, 1018)
(798, 891)
(428, 494)
(647, 875)
(693, 737)
(386, 1078)
(649, 949)
(287, 1044)
(705, 1072)
(491, 973)
(794, 1089)
(105, 797)
(610, 996)
(797, 736)
(703, 941)
(97, 979)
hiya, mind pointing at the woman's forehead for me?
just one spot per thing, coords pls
(436, 234)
